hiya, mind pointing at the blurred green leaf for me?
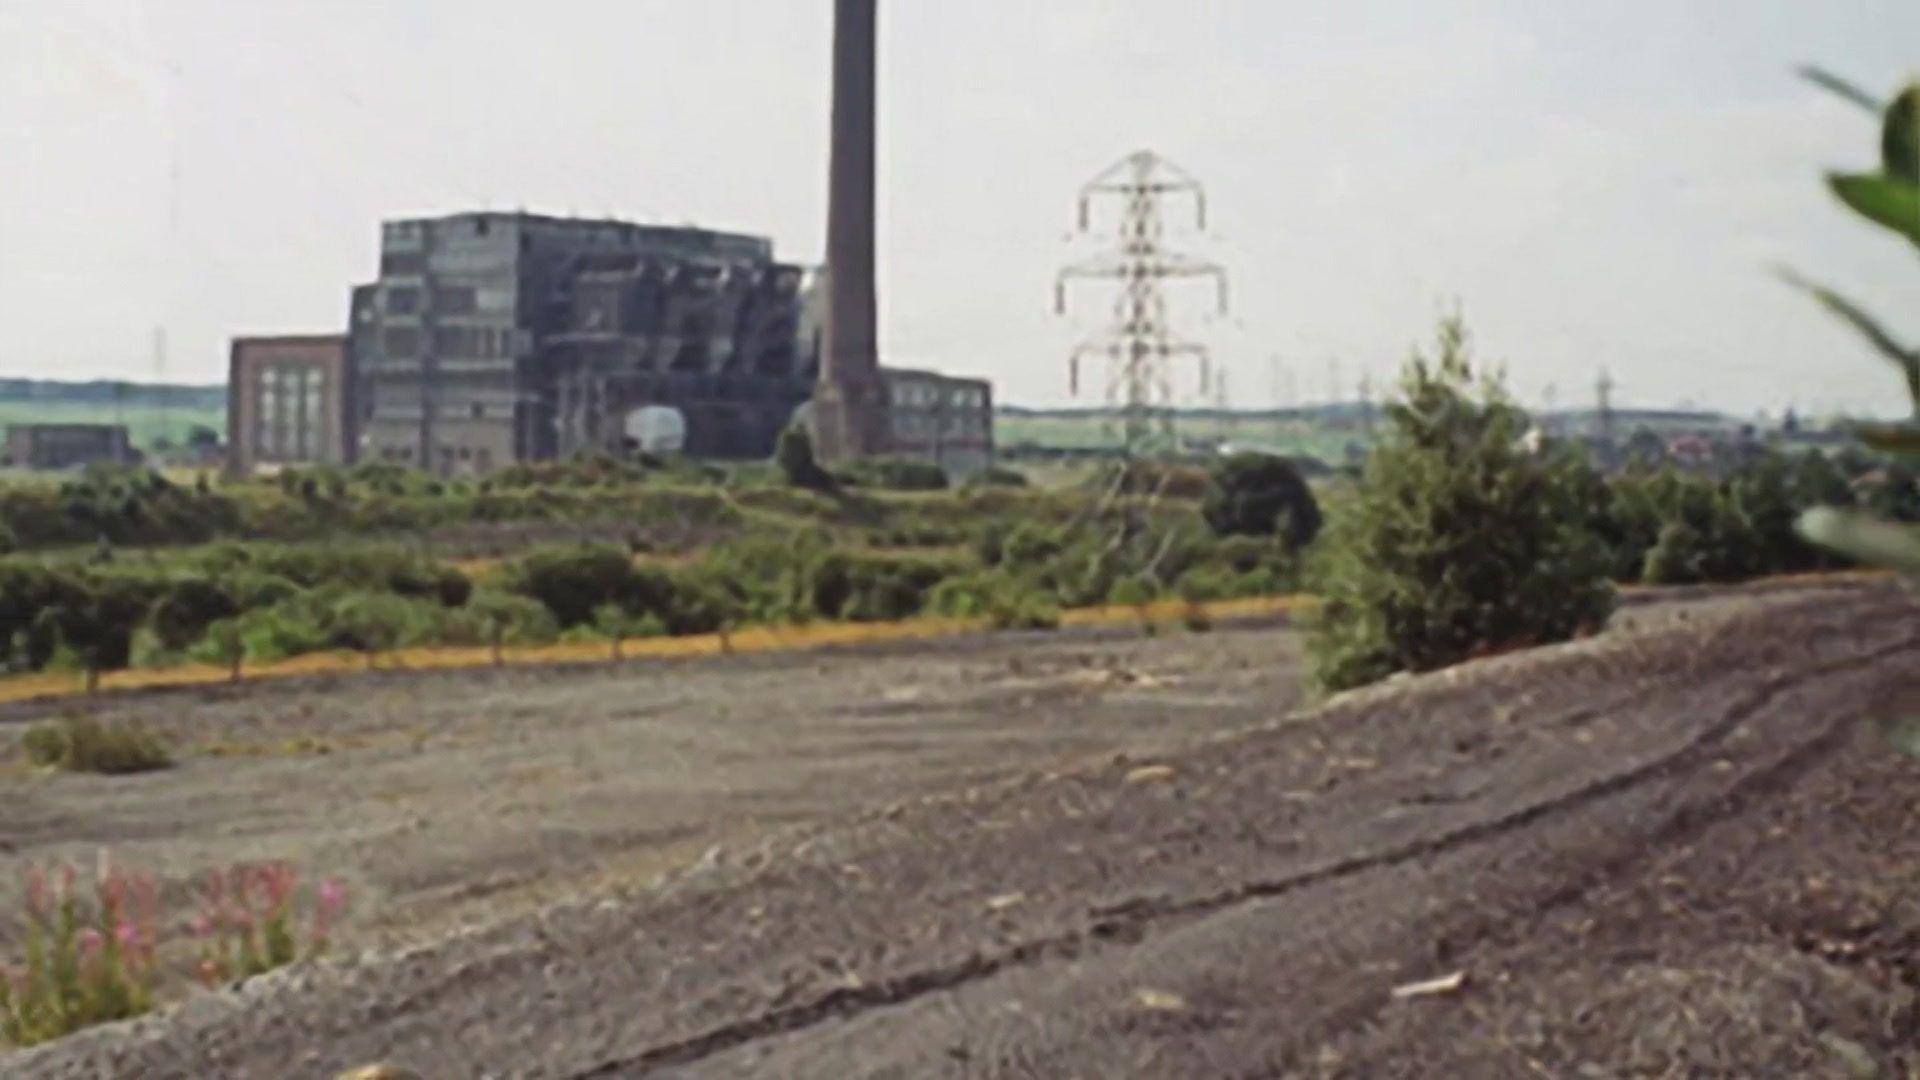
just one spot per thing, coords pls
(1885, 200)
(1891, 439)
(1864, 537)
(1826, 80)
(1907, 360)
(1900, 138)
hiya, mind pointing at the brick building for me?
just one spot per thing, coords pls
(67, 446)
(290, 401)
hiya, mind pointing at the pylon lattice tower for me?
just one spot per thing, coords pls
(1139, 344)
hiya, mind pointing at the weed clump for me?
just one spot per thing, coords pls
(83, 744)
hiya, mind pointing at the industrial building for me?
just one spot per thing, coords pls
(290, 401)
(67, 446)
(493, 338)
(940, 418)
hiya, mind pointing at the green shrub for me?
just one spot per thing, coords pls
(571, 580)
(1457, 540)
(371, 623)
(871, 587)
(1134, 591)
(224, 643)
(1254, 494)
(26, 590)
(83, 744)
(1033, 543)
(292, 627)
(1001, 476)
(96, 620)
(506, 619)
(185, 610)
(1005, 601)
(794, 455)
(896, 474)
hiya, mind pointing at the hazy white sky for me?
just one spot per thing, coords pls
(1596, 183)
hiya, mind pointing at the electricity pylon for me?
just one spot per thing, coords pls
(1139, 344)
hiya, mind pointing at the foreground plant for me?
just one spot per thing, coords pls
(1889, 198)
(250, 920)
(88, 960)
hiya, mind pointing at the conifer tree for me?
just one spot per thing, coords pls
(1459, 541)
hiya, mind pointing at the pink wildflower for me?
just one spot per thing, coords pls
(90, 942)
(333, 898)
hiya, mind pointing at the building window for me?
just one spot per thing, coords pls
(479, 411)
(401, 342)
(403, 301)
(454, 299)
(402, 262)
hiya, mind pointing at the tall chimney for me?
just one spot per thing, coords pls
(849, 404)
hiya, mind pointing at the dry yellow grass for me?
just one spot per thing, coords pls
(749, 640)
(44, 685)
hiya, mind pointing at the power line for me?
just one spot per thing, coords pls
(1139, 344)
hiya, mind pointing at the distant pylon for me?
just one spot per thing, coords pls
(1139, 345)
(1603, 402)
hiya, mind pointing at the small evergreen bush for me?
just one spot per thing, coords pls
(1457, 540)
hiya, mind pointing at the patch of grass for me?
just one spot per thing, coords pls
(83, 744)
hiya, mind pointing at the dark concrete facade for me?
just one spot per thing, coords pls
(940, 418)
(850, 404)
(290, 401)
(494, 338)
(67, 446)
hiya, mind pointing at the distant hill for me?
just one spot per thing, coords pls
(101, 392)
(1331, 411)
(155, 414)
(1624, 419)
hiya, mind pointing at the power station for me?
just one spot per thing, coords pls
(488, 338)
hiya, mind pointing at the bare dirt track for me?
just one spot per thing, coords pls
(1671, 850)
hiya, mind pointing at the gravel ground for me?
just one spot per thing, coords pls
(448, 798)
(1669, 850)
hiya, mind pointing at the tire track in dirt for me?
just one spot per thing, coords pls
(1129, 921)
